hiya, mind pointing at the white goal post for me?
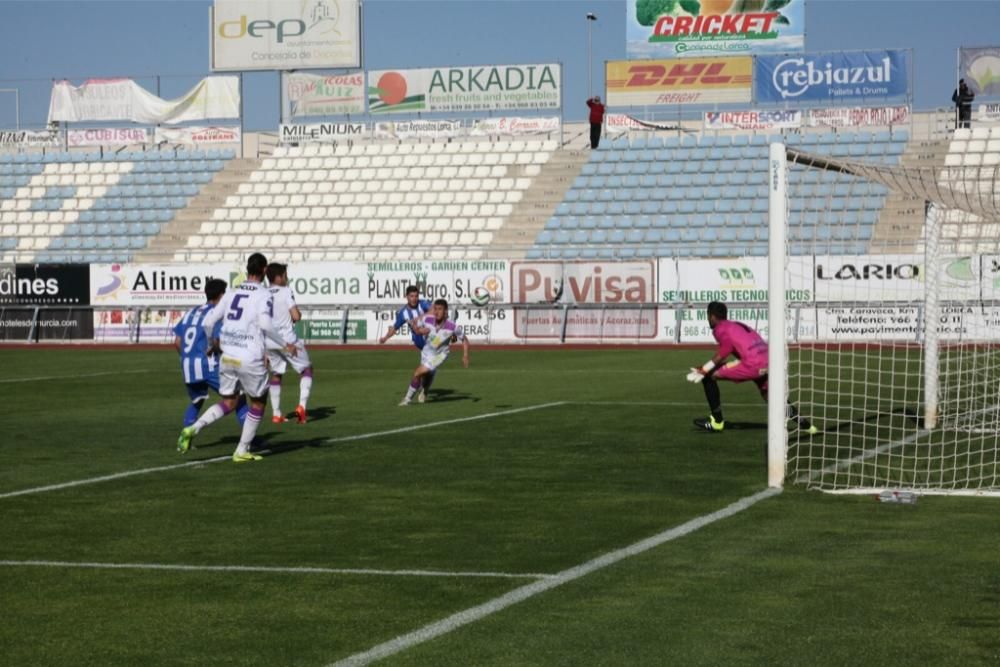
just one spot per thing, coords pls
(895, 355)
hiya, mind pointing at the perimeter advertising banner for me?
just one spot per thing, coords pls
(980, 67)
(284, 35)
(682, 28)
(325, 94)
(764, 119)
(293, 133)
(462, 89)
(841, 77)
(640, 83)
(109, 136)
(193, 135)
(858, 116)
(614, 285)
(30, 139)
(741, 283)
(64, 291)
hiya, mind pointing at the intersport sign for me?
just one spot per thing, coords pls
(826, 77)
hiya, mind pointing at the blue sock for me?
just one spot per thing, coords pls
(241, 410)
(191, 414)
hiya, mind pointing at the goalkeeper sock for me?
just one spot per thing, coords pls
(713, 397)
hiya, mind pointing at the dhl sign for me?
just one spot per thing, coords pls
(688, 81)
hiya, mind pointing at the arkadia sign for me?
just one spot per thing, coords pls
(825, 77)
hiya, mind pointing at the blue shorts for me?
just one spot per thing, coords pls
(198, 391)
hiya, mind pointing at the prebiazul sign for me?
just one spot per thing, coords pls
(835, 76)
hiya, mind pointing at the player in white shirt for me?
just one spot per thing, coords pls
(286, 314)
(246, 316)
(439, 333)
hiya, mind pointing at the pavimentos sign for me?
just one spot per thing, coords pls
(827, 77)
(281, 34)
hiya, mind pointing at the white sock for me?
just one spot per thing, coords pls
(213, 414)
(275, 392)
(410, 392)
(249, 430)
(305, 386)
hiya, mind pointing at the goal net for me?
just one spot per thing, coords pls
(886, 282)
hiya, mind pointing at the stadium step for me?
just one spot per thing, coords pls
(188, 220)
(546, 192)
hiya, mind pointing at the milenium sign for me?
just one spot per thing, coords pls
(825, 77)
(284, 34)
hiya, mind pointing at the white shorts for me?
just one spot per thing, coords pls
(280, 359)
(432, 359)
(250, 375)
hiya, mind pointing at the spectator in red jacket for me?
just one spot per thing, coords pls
(596, 120)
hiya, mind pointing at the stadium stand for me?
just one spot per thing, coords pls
(707, 196)
(972, 165)
(85, 207)
(372, 201)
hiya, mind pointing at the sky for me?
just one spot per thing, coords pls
(43, 39)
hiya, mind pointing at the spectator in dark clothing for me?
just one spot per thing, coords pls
(596, 120)
(962, 97)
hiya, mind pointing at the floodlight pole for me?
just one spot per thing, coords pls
(591, 18)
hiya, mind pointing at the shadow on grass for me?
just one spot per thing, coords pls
(448, 395)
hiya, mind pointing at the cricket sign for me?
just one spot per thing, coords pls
(452, 89)
(684, 28)
(671, 82)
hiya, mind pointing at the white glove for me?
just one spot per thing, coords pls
(695, 376)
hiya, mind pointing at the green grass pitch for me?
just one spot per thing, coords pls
(802, 578)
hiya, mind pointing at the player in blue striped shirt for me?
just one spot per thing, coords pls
(413, 311)
(200, 369)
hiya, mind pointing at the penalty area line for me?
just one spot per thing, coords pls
(217, 459)
(265, 569)
(477, 613)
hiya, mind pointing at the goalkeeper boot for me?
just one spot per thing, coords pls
(710, 424)
(184, 441)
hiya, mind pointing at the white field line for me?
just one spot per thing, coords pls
(217, 459)
(267, 569)
(477, 613)
(667, 404)
(863, 456)
(41, 378)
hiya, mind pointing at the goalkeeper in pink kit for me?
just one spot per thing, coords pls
(750, 365)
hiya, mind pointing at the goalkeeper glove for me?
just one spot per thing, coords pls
(695, 376)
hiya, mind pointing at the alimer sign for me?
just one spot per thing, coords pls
(460, 89)
(683, 28)
(672, 82)
(837, 76)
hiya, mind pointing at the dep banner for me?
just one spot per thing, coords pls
(283, 35)
(841, 77)
(980, 67)
(640, 83)
(461, 89)
(681, 28)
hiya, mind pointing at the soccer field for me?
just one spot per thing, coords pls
(502, 523)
